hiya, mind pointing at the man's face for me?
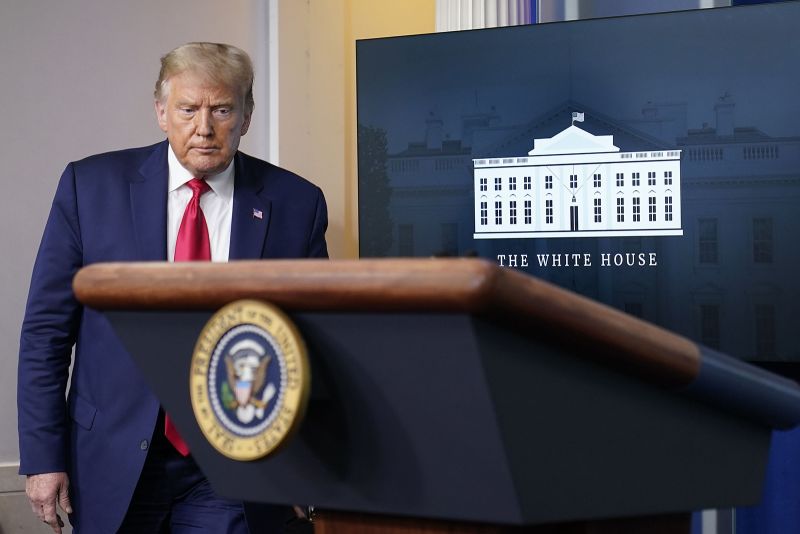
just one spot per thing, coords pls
(204, 121)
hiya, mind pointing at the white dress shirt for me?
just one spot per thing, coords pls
(217, 206)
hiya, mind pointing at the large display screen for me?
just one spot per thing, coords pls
(648, 162)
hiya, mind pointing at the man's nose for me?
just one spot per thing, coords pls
(203, 123)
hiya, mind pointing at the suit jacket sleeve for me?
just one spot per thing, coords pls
(317, 247)
(49, 329)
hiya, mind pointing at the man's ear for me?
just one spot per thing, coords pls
(245, 124)
(161, 114)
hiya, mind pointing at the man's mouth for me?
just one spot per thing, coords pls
(205, 149)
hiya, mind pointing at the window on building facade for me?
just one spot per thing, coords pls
(597, 180)
(484, 213)
(667, 177)
(405, 240)
(548, 211)
(484, 184)
(526, 182)
(498, 184)
(620, 179)
(667, 208)
(512, 212)
(707, 237)
(498, 212)
(512, 183)
(635, 178)
(651, 178)
(548, 182)
(651, 209)
(637, 213)
(598, 211)
(528, 214)
(765, 331)
(620, 209)
(709, 325)
(573, 181)
(762, 240)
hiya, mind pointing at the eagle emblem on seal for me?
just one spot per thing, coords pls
(247, 393)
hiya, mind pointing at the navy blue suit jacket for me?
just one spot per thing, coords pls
(113, 207)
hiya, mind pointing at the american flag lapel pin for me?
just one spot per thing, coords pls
(258, 214)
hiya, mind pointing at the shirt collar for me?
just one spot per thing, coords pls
(221, 184)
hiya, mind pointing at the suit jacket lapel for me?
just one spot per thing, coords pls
(149, 205)
(248, 229)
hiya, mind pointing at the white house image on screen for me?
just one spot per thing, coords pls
(576, 184)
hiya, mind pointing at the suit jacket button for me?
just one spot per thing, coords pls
(143, 445)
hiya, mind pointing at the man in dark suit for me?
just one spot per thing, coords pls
(101, 453)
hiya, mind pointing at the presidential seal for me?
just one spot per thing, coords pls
(250, 380)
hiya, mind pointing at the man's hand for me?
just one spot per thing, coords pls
(43, 492)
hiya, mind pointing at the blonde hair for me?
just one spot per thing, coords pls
(221, 63)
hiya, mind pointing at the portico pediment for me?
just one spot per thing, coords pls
(573, 140)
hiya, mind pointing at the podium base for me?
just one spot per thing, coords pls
(328, 522)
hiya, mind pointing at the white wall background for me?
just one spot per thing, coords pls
(77, 79)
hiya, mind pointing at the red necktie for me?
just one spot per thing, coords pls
(192, 244)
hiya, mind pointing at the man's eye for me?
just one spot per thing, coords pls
(223, 112)
(186, 111)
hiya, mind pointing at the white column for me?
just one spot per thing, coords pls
(272, 102)
(453, 15)
(502, 13)
(490, 13)
(708, 522)
(702, 4)
(572, 9)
